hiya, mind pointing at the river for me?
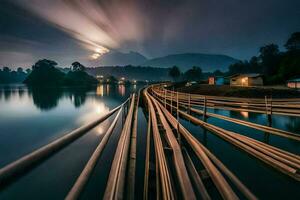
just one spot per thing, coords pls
(31, 118)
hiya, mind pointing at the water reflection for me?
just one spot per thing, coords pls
(100, 91)
(121, 90)
(46, 99)
(244, 115)
(293, 124)
(107, 89)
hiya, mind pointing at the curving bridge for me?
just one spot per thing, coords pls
(173, 154)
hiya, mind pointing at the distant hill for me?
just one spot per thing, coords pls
(208, 62)
(116, 58)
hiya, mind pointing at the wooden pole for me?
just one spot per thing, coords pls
(268, 114)
(189, 103)
(165, 98)
(26, 162)
(83, 178)
(204, 109)
(132, 156)
(171, 102)
(177, 115)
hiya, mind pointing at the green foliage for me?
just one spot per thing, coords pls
(79, 78)
(76, 66)
(194, 74)
(290, 65)
(277, 66)
(218, 73)
(175, 73)
(7, 76)
(44, 73)
(293, 42)
(269, 56)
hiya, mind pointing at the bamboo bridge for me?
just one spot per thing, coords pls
(173, 155)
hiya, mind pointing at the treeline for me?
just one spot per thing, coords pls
(10, 76)
(193, 74)
(45, 73)
(131, 72)
(275, 65)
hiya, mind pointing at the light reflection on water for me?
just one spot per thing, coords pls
(31, 118)
(122, 89)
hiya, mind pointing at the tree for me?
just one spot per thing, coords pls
(193, 74)
(218, 73)
(6, 69)
(174, 72)
(269, 56)
(293, 42)
(28, 71)
(44, 73)
(254, 65)
(20, 70)
(44, 64)
(77, 66)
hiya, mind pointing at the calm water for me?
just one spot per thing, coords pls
(31, 118)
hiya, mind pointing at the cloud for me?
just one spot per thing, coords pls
(94, 24)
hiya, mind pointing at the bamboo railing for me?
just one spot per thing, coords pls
(283, 161)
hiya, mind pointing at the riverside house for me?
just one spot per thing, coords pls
(294, 83)
(246, 80)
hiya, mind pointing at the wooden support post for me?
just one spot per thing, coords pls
(189, 104)
(177, 115)
(268, 114)
(204, 109)
(123, 116)
(177, 105)
(171, 103)
(165, 98)
(271, 111)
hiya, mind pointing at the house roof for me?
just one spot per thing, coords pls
(247, 75)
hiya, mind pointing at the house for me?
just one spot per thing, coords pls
(246, 80)
(294, 83)
(216, 80)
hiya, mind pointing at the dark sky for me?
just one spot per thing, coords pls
(65, 30)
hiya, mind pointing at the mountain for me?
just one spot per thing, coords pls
(116, 58)
(208, 62)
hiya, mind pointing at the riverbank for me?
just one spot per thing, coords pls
(244, 92)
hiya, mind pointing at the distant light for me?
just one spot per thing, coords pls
(122, 78)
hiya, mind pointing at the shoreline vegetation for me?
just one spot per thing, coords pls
(234, 91)
(44, 73)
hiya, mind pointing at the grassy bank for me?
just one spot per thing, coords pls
(245, 92)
